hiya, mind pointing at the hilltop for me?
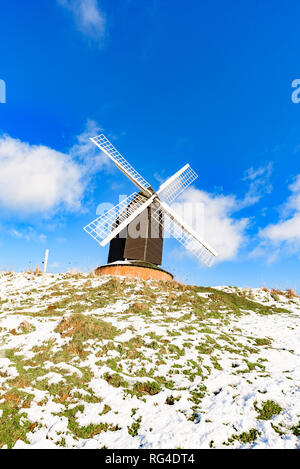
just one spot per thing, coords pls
(120, 363)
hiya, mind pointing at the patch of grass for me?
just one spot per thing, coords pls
(140, 309)
(206, 348)
(154, 336)
(171, 400)
(13, 426)
(115, 380)
(215, 363)
(16, 399)
(134, 429)
(175, 350)
(82, 328)
(235, 303)
(114, 365)
(296, 430)
(131, 348)
(277, 429)
(88, 431)
(197, 394)
(206, 330)
(148, 387)
(264, 341)
(25, 327)
(142, 372)
(268, 410)
(275, 296)
(245, 437)
(62, 442)
(251, 367)
(30, 370)
(173, 333)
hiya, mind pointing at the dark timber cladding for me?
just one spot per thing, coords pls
(142, 240)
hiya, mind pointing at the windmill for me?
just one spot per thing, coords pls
(135, 227)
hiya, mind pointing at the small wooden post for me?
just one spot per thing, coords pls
(46, 260)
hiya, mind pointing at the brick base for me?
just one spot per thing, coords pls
(145, 273)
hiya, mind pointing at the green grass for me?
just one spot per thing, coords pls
(82, 328)
(268, 410)
(263, 341)
(14, 425)
(133, 430)
(171, 400)
(31, 369)
(215, 363)
(115, 380)
(296, 430)
(149, 387)
(245, 437)
(88, 431)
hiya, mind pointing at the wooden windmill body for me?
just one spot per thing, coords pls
(144, 248)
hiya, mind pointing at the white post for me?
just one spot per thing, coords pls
(46, 260)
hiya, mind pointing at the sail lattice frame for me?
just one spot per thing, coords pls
(104, 144)
(103, 226)
(186, 238)
(177, 185)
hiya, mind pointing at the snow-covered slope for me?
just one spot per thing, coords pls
(118, 363)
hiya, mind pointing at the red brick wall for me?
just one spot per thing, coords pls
(134, 271)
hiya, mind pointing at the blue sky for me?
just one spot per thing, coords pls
(168, 82)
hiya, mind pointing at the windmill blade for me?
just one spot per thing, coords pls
(188, 237)
(104, 144)
(177, 184)
(109, 225)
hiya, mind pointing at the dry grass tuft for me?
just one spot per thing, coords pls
(287, 293)
(19, 382)
(26, 327)
(275, 291)
(83, 328)
(139, 308)
(92, 274)
(291, 293)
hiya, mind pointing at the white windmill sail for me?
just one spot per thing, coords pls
(111, 223)
(177, 184)
(181, 231)
(104, 144)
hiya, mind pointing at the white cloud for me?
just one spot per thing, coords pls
(38, 179)
(28, 234)
(89, 156)
(223, 232)
(285, 234)
(293, 202)
(89, 19)
(287, 230)
(259, 185)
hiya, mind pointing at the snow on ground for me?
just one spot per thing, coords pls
(117, 363)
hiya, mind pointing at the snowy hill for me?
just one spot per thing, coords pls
(118, 363)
